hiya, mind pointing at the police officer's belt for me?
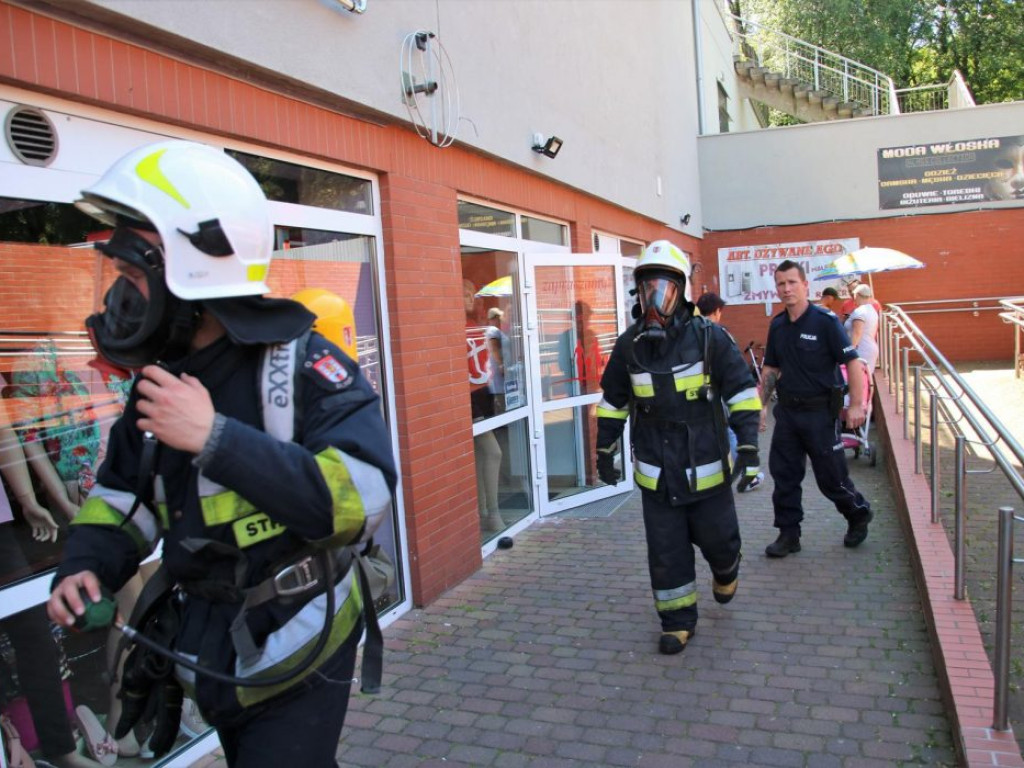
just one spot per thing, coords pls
(798, 403)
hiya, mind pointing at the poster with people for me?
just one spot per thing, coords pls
(747, 272)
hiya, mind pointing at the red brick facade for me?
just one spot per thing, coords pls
(967, 254)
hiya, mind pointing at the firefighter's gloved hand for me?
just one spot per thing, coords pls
(748, 466)
(606, 465)
(169, 698)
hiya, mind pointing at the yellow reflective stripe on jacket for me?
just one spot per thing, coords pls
(608, 411)
(224, 507)
(97, 511)
(708, 475)
(642, 383)
(646, 475)
(745, 400)
(689, 376)
(674, 599)
(254, 529)
(349, 512)
(286, 647)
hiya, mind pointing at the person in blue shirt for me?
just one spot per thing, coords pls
(806, 346)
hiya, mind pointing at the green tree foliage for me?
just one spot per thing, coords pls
(915, 42)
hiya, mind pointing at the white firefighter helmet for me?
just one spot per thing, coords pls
(661, 254)
(210, 213)
(662, 276)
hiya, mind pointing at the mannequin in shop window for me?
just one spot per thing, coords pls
(44, 705)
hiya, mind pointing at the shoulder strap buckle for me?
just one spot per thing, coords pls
(297, 578)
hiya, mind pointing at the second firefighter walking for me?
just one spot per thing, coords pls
(683, 381)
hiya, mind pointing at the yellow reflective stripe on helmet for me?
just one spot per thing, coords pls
(349, 512)
(286, 647)
(643, 384)
(224, 507)
(708, 475)
(256, 528)
(745, 400)
(96, 511)
(148, 169)
(255, 273)
(608, 411)
(646, 475)
(674, 599)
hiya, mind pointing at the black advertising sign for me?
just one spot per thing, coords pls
(950, 172)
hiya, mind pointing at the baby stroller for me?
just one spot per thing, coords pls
(856, 440)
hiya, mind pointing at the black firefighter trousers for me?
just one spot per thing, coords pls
(672, 533)
(815, 434)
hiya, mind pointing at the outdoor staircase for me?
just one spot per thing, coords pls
(793, 95)
(813, 84)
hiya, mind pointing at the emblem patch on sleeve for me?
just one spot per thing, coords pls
(332, 370)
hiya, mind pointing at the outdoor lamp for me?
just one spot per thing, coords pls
(548, 147)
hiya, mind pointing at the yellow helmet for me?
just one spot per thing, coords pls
(335, 320)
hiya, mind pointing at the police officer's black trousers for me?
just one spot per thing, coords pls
(672, 533)
(301, 727)
(814, 434)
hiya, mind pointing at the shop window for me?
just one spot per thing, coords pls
(543, 231)
(490, 221)
(290, 183)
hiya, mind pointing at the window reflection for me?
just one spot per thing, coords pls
(494, 332)
(290, 183)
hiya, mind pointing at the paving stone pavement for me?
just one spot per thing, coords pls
(547, 656)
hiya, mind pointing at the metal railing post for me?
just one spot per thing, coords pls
(905, 378)
(933, 416)
(960, 495)
(894, 377)
(1004, 606)
(918, 452)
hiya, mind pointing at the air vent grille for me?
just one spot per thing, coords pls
(31, 136)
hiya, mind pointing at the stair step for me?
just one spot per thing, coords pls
(829, 103)
(816, 97)
(802, 91)
(757, 74)
(786, 84)
(772, 79)
(847, 108)
(743, 67)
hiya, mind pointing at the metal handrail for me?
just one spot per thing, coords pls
(827, 70)
(901, 336)
(952, 94)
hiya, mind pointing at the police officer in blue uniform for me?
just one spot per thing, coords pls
(254, 451)
(682, 381)
(806, 345)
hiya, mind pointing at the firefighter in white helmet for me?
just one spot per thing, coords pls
(677, 375)
(251, 447)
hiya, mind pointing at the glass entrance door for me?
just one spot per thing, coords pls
(574, 314)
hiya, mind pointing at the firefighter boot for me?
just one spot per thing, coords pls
(674, 642)
(723, 585)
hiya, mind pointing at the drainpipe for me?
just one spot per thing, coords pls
(698, 55)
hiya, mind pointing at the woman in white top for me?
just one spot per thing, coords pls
(862, 327)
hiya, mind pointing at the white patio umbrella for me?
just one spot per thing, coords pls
(867, 261)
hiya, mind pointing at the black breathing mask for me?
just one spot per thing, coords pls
(659, 294)
(135, 329)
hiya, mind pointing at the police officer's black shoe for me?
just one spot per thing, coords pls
(786, 544)
(857, 531)
(674, 642)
